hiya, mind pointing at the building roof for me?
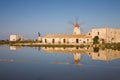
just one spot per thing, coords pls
(67, 36)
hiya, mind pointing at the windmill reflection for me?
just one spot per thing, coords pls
(77, 57)
(76, 51)
(94, 53)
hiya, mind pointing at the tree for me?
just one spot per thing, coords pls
(96, 40)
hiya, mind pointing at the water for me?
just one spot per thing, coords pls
(30, 63)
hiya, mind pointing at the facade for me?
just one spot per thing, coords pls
(16, 37)
(67, 39)
(107, 35)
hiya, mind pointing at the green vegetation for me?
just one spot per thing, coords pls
(96, 40)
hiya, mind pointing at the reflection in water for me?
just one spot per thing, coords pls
(94, 53)
(96, 49)
(107, 54)
(11, 60)
(77, 57)
(76, 64)
(76, 51)
(15, 47)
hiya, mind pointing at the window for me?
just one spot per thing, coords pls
(77, 40)
(98, 33)
(53, 40)
(45, 40)
(64, 40)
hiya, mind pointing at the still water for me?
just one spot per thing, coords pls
(58, 63)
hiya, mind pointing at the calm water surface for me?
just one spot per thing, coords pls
(58, 64)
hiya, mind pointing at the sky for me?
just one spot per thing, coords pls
(28, 17)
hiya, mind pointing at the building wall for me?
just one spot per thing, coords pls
(109, 35)
(117, 35)
(67, 40)
(16, 37)
(101, 33)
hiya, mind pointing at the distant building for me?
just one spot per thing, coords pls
(16, 37)
(107, 35)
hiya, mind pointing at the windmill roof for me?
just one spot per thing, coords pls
(77, 25)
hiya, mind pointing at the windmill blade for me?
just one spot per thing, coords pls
(71, 23)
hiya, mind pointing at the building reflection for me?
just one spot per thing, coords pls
(15, 47)
(94, 53)
(76, 51)
(106, 55)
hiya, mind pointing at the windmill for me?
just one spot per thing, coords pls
(77, 27)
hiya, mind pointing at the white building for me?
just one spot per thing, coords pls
(16, 37)
(67, 39)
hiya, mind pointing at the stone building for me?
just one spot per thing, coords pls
(16, 37)
(107, 35)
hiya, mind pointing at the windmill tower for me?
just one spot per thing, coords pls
(76, 29)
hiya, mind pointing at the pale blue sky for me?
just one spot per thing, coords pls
(28, 17)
